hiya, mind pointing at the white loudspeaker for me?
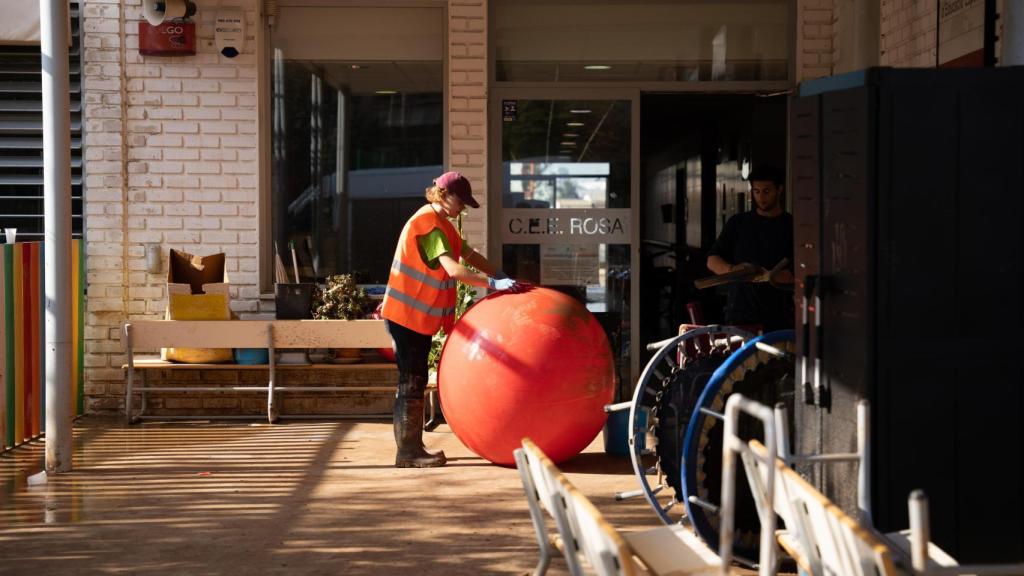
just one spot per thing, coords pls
(156, 11)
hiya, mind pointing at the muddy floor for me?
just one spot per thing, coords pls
(293, 498)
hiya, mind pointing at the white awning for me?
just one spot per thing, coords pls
(20, 22)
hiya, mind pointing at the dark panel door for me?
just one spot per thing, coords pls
(988, 327)
(805, 183)
(913, 405)
(847, 271)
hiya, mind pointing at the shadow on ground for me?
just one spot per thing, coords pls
(295, 498)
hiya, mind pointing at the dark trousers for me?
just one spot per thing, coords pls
(411, 349)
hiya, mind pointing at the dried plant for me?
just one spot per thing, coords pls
(341, 299)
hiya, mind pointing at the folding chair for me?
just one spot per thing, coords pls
(762, 485)
(825, 540)
(862, 457)
(910, 548)
(822, 538)
(536, 472)
(600, 544)
(585, 535)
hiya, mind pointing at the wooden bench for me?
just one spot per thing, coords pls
(269, 334)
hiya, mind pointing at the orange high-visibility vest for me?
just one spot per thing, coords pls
(417, 297)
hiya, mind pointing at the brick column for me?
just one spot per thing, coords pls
(189, 147)
(908, 33)
(815, 39)
(103, 201)
(467, 106)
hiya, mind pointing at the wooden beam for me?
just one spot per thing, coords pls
(154, 334)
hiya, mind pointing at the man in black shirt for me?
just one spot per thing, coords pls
(759, 238)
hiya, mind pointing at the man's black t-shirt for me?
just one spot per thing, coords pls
(750, 237)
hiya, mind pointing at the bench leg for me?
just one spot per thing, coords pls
(131, 372)
(128, 392)
(432, 402)
(142, 404)
(272, 411)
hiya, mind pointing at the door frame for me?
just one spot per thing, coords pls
(495, 178)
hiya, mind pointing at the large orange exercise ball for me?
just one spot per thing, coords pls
(535, 364)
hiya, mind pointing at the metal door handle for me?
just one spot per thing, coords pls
(810, 290)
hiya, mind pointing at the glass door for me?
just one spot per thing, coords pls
(565, 166)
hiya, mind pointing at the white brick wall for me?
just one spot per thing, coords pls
(908, 33)
(189, 150)
(467, 107)
(815, 38)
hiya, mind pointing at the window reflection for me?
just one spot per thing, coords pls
(354, 141)
(558, 185)
(567, 154)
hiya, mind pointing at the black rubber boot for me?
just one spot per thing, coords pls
(409, 425)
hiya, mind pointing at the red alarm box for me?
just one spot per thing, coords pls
(174, 38)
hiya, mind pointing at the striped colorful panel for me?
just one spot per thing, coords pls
(18, 334)
(37, 403)
(22, 339)
(3, 350)
(31, 288)
(8, 343)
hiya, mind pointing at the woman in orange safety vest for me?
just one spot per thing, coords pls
(420, 300)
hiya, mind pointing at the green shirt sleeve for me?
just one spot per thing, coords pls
(433, 244)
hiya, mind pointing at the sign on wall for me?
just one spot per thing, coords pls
(569, 264)
(961, 33)
(566, 226)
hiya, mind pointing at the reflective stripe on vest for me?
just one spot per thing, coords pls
(410, 301)
(419, 297)
(397, 266)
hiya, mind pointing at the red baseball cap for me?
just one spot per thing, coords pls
(456, 183)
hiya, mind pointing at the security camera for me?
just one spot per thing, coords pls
(156, 11)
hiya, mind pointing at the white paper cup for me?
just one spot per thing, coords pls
(11, 233)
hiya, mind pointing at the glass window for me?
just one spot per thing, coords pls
(572, 41)
(565, 205)
(567, 154)
(357, 133)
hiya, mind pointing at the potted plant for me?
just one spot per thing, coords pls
(341, 299)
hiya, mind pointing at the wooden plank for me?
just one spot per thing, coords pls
(845, 547)
(331, 334)
(153, 334)
(673, 549)
(19, 346)
(8, 342)
(4, 334)
(38, 400)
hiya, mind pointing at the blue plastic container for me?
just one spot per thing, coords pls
(616, 433)
(252, 356)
